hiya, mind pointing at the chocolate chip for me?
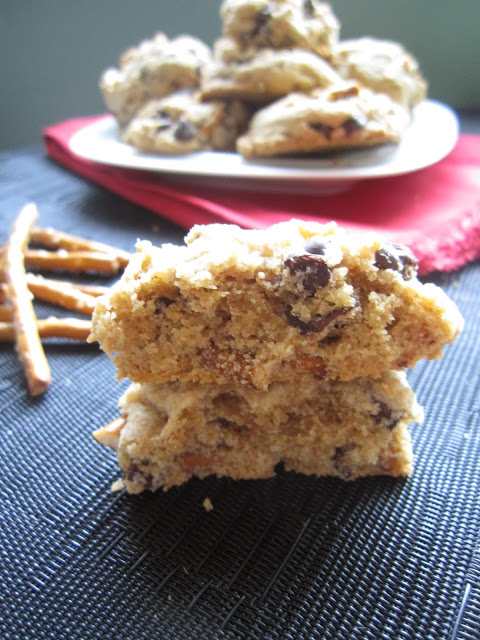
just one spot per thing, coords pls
(294, 321)
(162, 120)
(223, 422)
(161, 303)
(330, 340)
(316, 324)
(308, 7)
(384, 412)
(135, 474)
(397, 257)
(162, 124)
(322, 128)
(226, 400)
(386, 259)
(263, 17)
(185, 130)
(319, 323)
(223, 317)
(351, 125)
(409, 261)
(311, 269)
(340, 462)
(385, 415)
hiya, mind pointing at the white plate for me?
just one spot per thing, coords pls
(431, 136)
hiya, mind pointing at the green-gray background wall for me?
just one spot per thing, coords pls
(53, 51)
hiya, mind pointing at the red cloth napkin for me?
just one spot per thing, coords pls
(436, 210)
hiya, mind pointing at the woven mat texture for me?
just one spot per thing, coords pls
(291, 557)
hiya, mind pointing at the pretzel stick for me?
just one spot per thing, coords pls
(109, 435)
(52, 328)
(62, 260)
(60, 293)
(92, 289)
(85, 304)
(29, 347)
(6, 312)
(3, 292)
(54, 239)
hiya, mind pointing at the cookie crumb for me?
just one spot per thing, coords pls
(207, 504)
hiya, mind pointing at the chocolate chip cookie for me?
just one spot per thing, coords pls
(281, 24)
(383, 66)
(156, 68)
(265, 75)
(180, 123)
(339, 117)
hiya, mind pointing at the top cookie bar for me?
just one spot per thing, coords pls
(256, 306)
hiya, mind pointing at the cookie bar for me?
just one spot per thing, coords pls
(176, 430)
(383, 66)
(156, 68)
(339, 117)
(302, 24)
(257, 306)
(180, 123)
(266, 76)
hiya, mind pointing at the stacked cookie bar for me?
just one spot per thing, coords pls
(278, 81)
(253, 348)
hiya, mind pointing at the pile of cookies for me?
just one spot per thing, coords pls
(249, 349)
(278, 81)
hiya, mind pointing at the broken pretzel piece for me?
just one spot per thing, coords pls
(109, 435)
(29, 347)
(72, 328)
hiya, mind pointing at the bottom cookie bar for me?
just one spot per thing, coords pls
(171, 432)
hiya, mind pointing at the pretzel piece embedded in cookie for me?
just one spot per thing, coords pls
(109, 434)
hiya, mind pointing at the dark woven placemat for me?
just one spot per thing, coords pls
(290, 557)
